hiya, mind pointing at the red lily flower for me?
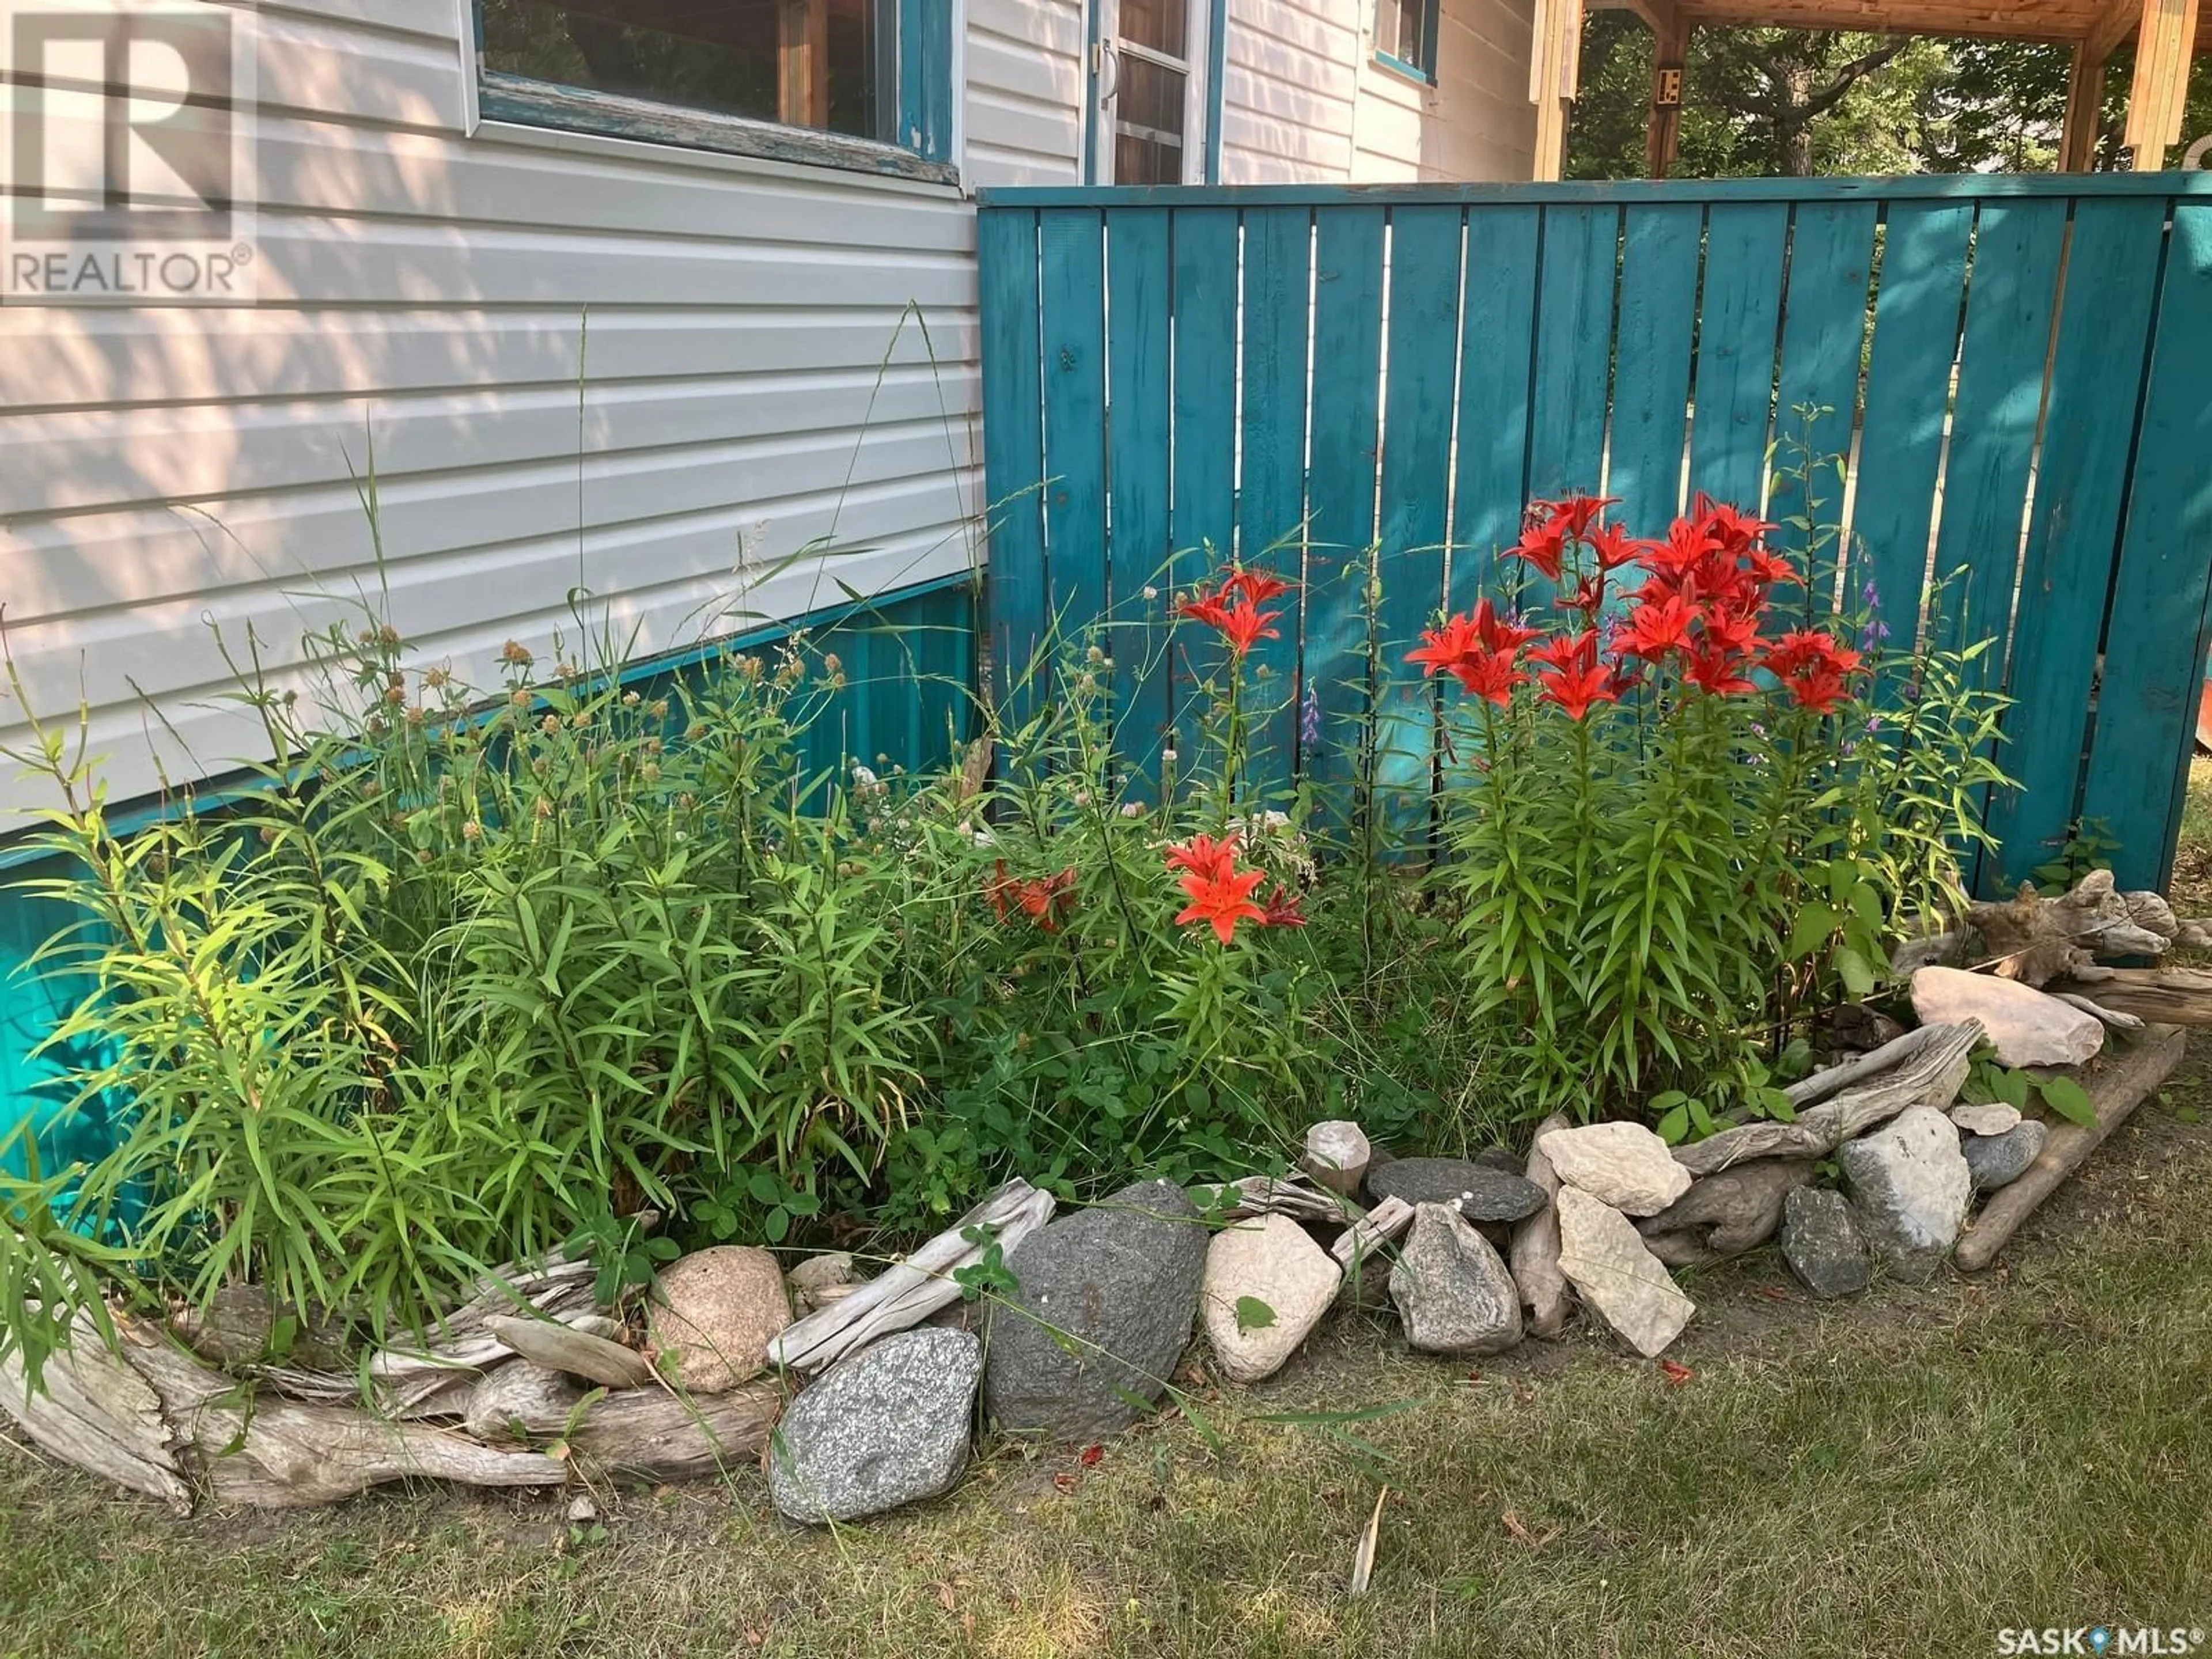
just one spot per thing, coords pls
(1233, 609)
(1202, 855)
(1715, 669)
(1045, 899)
(1497, 633)
(1222, 902)
(1257, 586)
(1806, 649)
(1575, 514)
(1819, 688)
(1729, 525)
(1614, 547)
(1564, 651)
(1544, 546)
(1588, 597)
(1282, 909)
(1655, 628)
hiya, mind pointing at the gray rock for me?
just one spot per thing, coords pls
(1910, 1186)
(1452, 1292)
(1995, 1161)
(1989, 1118)
(2025, 1026)
(1479, 1194)
(1616, 1277)
(884, 1426)
(1821, 1242)
(1534, 1248)
(1620, 1163)
(1497, 1157)
(1728, 1212)
(1121, 1280)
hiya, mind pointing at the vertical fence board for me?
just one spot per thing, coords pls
(2154, 657)
(1497, 337)
(1574, 349)
(1074, 286)
(1341, 489)
(1651, 373)
(1137, 427)
(1014, 445)
(1416, 427)
(2009, 302)
(1738, 327)
(1203, 524)
(2111, 268)
(1271, 496)
(1823, 340)
(1915, 335)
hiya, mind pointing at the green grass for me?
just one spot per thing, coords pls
(1904, 1474)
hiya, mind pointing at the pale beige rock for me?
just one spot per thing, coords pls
(1271, 1259)
(1994, 1118)
(1621, 1164)
(1337, 1155)
(2026, 1026)
(714, 1313)
(1535, 1246)
(1616, 1277)
(811, 1280)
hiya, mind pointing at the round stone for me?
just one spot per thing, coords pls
(1479, 1194)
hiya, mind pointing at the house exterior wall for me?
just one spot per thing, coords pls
(1306, 100)
(1025, 88)
(577, 362)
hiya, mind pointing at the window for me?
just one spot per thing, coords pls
(1406, 35)
(724, 74)
(1150, 97)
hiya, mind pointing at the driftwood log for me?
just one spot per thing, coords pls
(2163, 996)
(2122, 1081)
(1380, 1226)
(1293, 1195)
(916, 1288)
(1928, 1071)
(2036, 940)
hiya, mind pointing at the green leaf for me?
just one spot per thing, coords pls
(1674, 1124)
(1857, 973)
(1816, 922)
(2063, 1096)
(1253, 1315)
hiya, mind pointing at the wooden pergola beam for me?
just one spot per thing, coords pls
(2121, 18)
(2085, 111)
(2166, 42)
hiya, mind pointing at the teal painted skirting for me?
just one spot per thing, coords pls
(907, 657)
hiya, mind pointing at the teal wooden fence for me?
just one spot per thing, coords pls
(2022, 361)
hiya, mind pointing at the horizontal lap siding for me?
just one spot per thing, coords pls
(752, 384)
(1475, 123)
(1026, 92)
(1287, 88)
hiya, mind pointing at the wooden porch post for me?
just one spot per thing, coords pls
(1554, 68)
(2085, 108)
(2164, 40)
(1671, 42)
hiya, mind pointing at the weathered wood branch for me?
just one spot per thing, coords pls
(2166, 996)
(2035, 939)
(2120, 1083)
(1385, 1221)
(1929, 1073)
(910, 1292)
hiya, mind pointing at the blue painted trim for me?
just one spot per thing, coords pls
(1412, 72)
(924, 78)
(1217, 68)
(230, 788)
(1628, 192)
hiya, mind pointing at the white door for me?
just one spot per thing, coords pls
(1148, 74)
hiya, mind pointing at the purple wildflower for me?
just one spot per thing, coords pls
(1310, 718)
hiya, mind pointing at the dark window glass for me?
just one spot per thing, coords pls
(1401, 28)
(804, 63)
(1162, 25)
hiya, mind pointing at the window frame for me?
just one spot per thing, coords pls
(919, 60)
(1423, 73)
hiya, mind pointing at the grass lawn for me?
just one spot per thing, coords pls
(1904, 1475)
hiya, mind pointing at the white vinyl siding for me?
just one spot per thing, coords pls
(747, 390)
(1025, 92)
(1305, 99)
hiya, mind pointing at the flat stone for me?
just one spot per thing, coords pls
(1121, 1280)
(714, 1314)
(2025, 1026)
(883, 1427)
(1910, 1186)
(1452, 1292)
(1337, 1155)
(1821, 1242)
(1534, 1248)
(1729, 1212)
(1274, 1261)
(1622, 1165)
(1994, 1118)
(1618, 1279)
(578, 1352)
(1497, 1157)
(1995, 1161)
(1479, 1194)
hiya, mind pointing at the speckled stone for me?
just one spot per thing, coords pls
(1996, 1161)
(886, 1426)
